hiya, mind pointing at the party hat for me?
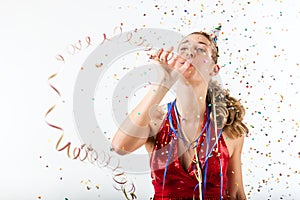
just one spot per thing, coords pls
(214, 34)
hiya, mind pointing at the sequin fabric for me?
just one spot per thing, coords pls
(175, 183)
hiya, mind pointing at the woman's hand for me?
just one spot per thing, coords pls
(173, 65)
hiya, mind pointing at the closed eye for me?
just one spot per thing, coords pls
(200, 50)
(183, 48)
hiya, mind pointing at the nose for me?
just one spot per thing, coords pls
(189, 54)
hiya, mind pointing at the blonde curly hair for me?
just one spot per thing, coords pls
(229, 111)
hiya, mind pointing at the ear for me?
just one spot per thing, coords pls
(215, 70)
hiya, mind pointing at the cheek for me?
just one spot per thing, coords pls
(200, 62)
(204, 61)
(202, 65)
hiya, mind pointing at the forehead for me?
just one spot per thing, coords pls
(196, 38)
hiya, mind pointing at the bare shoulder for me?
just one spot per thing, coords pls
(234, 144)
(157, 115)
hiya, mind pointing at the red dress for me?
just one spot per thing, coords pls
(177, 184)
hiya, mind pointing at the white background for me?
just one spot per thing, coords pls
(259, 49)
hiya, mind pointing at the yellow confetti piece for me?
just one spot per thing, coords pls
(99, 65)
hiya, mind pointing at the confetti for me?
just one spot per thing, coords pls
(256, 68)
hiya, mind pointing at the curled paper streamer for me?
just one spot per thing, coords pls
(76, 47)
(86, 152)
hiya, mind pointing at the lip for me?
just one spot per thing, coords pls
(191, 66)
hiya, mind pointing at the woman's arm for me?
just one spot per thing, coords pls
(134, 131)
(235, 188)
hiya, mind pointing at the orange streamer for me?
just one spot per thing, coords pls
(84, 152)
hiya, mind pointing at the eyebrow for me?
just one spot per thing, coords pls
(186, 41)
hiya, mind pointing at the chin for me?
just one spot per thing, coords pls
(188, 76)
(193, 79)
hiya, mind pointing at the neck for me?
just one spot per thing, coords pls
(191, 100)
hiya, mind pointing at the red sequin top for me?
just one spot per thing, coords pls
(180, 184)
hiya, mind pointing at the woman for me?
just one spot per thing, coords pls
(195, 142)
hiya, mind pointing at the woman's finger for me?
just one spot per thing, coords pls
(179, 62)
(184, 67)
(168, 53)
(159, 53)
(173, 61)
